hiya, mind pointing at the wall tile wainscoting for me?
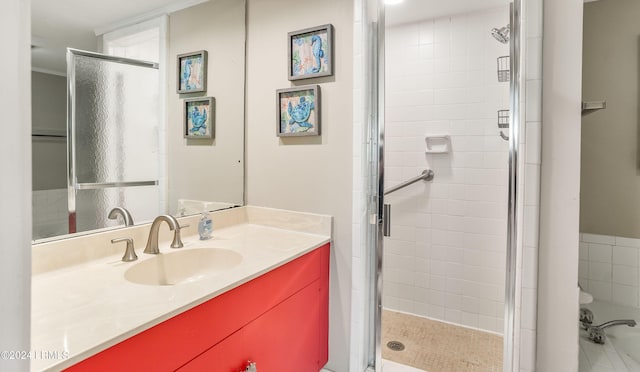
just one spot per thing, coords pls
(609, 268)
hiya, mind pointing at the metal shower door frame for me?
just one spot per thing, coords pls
(377, 115)
(72, 182)
(510, 307)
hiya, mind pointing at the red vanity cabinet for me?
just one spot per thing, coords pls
(278, 320)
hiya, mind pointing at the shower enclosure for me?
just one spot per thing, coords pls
(113, 147)
(447, 102)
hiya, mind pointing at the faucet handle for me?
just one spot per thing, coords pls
(596, 335)
(129, 253)
(177, 239)
(586, 317)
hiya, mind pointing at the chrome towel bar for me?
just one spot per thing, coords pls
(426, 175)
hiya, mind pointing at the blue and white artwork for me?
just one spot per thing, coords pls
(192, 72)
(198, 118)
(298, 112)
(310, 53)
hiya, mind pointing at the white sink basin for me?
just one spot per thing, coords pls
(182, 266)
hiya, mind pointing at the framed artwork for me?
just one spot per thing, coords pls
(198, 117)
(310, 52)
(298, 111)
(192, 72)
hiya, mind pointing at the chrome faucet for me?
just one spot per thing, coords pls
(627, 322)
(152, 241)
(122, 212)
(596, 333)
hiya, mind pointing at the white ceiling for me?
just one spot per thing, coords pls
(56, 25)
(417, 10)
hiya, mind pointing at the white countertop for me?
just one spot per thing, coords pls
(87, 307)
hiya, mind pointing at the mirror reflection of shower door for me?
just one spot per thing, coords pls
(113, 149)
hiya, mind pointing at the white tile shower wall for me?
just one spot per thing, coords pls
(50, 216)
(609, 267)
(445, 258)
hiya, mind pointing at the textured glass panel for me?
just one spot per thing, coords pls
(116, 121)
(93, 206)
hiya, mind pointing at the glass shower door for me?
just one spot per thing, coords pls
(113, 149)
(445, 273)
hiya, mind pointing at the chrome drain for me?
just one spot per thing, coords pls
(395, 345)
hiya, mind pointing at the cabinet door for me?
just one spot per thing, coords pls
(225, 356)
(288, 337)
(285, 310)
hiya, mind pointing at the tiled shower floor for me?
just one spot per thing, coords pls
(439, 347)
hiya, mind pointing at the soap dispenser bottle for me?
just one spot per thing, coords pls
(205, 226)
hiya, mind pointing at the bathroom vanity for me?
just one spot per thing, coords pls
(264, 301)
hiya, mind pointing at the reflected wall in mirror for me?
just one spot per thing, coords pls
(610, 166)
(193, 175)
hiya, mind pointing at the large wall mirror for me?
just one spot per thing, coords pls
(120, 124)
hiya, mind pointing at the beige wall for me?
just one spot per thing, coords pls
(49, 112)
(15, 188)
(610, 177)
(210, 170)
(305, 174)
(557, 330)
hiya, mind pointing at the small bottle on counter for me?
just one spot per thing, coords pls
(205, 226)
(251, 367)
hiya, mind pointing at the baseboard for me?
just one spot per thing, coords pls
(369, 369)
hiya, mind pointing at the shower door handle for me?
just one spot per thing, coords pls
(386, 220)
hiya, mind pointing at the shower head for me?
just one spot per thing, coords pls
(501, 34)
